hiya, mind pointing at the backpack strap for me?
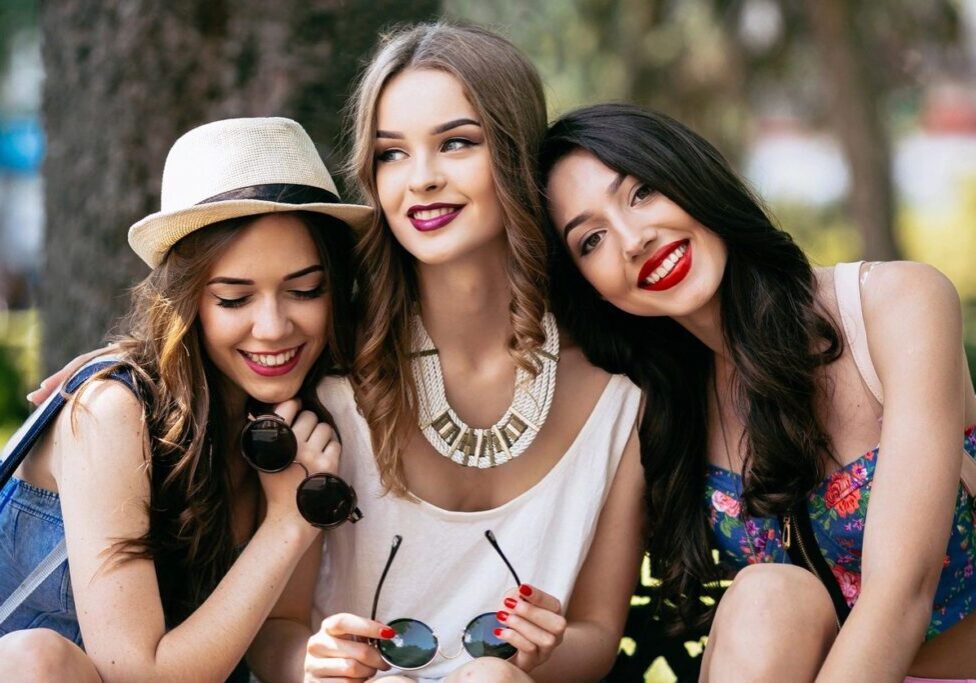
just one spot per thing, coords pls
(847, 288)
(801, 545)
(31, 582)
(17, 449)
(23, 440)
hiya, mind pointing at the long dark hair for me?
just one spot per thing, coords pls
(775, 332)
(189, 536)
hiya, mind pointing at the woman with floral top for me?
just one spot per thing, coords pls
(775, 392)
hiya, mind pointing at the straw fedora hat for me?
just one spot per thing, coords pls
(238, 167)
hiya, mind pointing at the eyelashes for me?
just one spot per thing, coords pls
(313, 293)
(302, 294)
(590, 242)
(232, 303)
(453, 144)
(388, 155)
(642, 193)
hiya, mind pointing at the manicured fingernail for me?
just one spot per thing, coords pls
(501, 616)
(498, 633)
(510, 603)
(387, 633)
(525, 589)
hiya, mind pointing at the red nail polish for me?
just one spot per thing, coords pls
(498, 633)
(387, 633)
(501, 616)
(525, 589)
(510, 603)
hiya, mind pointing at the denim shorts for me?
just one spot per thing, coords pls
(30, 527)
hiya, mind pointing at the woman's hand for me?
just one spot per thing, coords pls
(534, 625)
(338, 649)
(318, 452)
(48, 384)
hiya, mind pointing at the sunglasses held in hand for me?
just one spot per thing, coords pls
(324, 500)
(414, 644)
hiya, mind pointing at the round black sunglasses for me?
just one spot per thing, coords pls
(414, 644)
(324, 500)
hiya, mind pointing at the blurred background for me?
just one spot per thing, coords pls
(856, 121)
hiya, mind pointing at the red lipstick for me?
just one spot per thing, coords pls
(428, 224)
(277, 370)
(674, 276)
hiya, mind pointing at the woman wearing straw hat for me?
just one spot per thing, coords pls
(177, 547)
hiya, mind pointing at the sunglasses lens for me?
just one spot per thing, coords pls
(325, 501)
(413, 646)
(480, 639)
(268, 444)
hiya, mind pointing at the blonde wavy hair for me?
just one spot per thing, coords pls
(506, 92)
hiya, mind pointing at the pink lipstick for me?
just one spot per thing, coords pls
(434, 222)
(272, 370)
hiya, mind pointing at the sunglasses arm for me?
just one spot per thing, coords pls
(393, 551)
(494, 544)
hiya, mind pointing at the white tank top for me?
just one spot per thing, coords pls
(446, 573)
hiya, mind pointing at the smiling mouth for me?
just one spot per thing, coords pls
(427, 214)
(434, 216)
(272, 360)
(666, 267)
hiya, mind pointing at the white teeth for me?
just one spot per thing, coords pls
(666, 266)
(427, 214)
(271, 361)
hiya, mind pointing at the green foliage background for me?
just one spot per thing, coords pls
(687, 58)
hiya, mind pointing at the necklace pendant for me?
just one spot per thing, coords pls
(513, 429)
(446, 427)
(502, 454)
(467, 446)
(510, 436)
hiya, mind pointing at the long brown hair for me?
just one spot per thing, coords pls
(189, 536)
(779, 338)
(506, 93)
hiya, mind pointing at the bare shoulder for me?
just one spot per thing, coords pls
(913, 320)
(108, 399)
(104, 418)
(909, 292)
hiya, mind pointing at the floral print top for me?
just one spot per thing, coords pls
(838, 507)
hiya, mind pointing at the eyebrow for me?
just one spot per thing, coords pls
(436, 130)
(240, 281)
(586, 215)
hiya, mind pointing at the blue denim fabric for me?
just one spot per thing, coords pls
(30, 526)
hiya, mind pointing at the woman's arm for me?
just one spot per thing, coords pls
(104, 491)
(914, 330)
(277, 654)
(598, 607)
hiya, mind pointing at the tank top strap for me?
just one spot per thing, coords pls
(847, 277)
(614, 418)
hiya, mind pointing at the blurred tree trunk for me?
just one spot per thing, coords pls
(124, 80)
(854, 99)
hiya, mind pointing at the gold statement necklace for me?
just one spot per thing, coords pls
(512, 434)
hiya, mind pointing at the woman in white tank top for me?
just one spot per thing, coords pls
(439, 442)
